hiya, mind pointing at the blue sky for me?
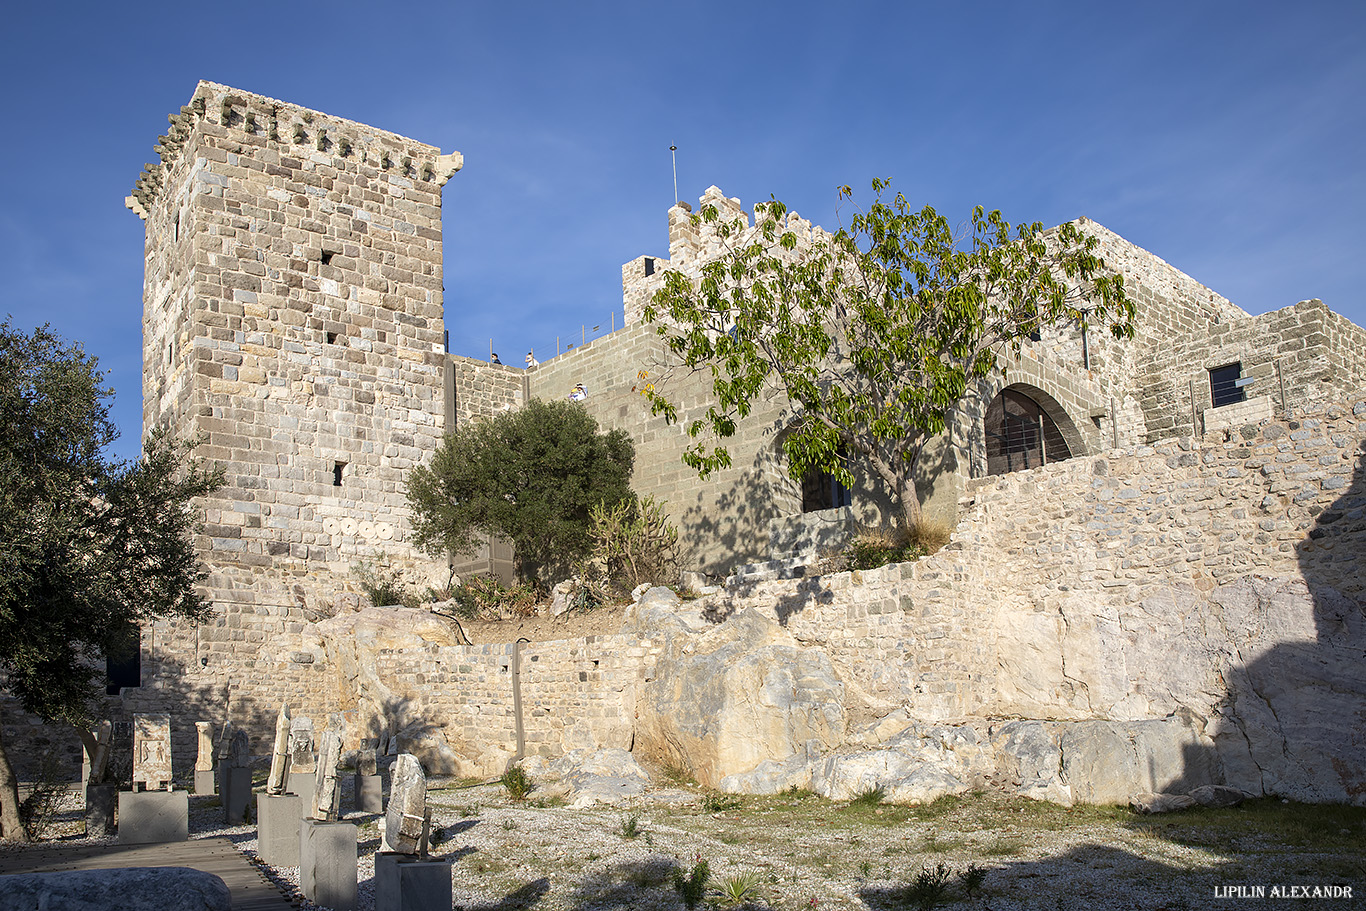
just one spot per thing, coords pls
(1227, 138)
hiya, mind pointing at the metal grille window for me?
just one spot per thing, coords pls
(1021, 435)
(1226, 385)
(823, 491)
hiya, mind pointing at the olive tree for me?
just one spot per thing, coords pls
(875, 333)
(532, 476)
(89, 546)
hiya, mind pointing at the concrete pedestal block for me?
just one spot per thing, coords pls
(301, 783)
(327, 864)
(236, 796)
(100, 801)
(205, 781)
(369, 794)
(278, 820)
(152, 817)
(405, 882)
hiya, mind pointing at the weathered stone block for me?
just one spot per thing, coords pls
(153, 817)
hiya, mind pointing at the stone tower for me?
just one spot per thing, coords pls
(293, 320)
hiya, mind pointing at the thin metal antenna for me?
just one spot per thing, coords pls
(673, 153)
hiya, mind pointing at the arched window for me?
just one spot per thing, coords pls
(1020, 434)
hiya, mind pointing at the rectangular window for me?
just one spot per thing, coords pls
(1225, 385)
(338, 472)
(123, 665)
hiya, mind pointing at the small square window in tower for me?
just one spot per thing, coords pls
(338, 472)
(1226, 385)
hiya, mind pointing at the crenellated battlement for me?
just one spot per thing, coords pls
(289, 129)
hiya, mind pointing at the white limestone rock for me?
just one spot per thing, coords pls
(729, 697)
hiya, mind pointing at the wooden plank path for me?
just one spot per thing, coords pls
(251, 891)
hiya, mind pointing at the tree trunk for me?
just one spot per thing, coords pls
(910, 515)
(11, 825)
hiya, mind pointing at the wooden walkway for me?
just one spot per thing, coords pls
(251, 891)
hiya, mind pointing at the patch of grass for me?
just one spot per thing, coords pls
(468, 810)
(716, 802)
(935, 844)
(678, 774)
(630, 825)
(870, 796)
(1003, 846)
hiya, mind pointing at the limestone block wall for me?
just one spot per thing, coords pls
(293, 309)
(723, 519)
(1303, 356)
(1068, 589)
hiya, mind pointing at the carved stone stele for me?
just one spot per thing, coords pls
(152, 751)
(279, 756)
(405, 818)
(326, 794)
(203, 761)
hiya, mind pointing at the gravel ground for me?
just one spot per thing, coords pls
(807, 852)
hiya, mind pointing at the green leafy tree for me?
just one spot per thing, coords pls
(875, 333)
(531, 476)
(88, 547)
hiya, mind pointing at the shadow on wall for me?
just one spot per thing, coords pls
(1293, 721)
(736, 522)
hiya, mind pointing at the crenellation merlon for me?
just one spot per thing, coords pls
(296, 134)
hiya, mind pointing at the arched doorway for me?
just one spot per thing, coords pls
(1020, 434)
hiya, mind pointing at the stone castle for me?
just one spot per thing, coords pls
(1138, 519)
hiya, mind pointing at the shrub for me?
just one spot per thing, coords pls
(634, 543)
(518, 783)
(869, 797)
(692, 887)
(630, 825)
(45, 801)
(872, 548)
(486, 598)
(737, 890)
(383, 583)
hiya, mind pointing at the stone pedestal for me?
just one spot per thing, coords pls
(301, 783)
(327, 864)
(205, 781)
(152, 817)
(405, 882)
(236, 795)
(100, 801)
(278, 820)
(369, 794)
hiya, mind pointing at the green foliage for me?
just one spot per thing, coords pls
(874, 335)
(929, 888)
(531, 476)
(692, 886)
(46, 799)
(972, 879)
(89, 547)
(518, 783)
(630, 825)
(716, 802)
(871, 796)
(383, 583)
(633, 543)
(737, 890)
(486, 598)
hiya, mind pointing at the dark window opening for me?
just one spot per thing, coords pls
(338, 471)
(649, 265)
(123, 664)
(332, 338)
(822, 490)
(327, 257)
(1034, 335)
(1021, 435)
(1226, 385)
